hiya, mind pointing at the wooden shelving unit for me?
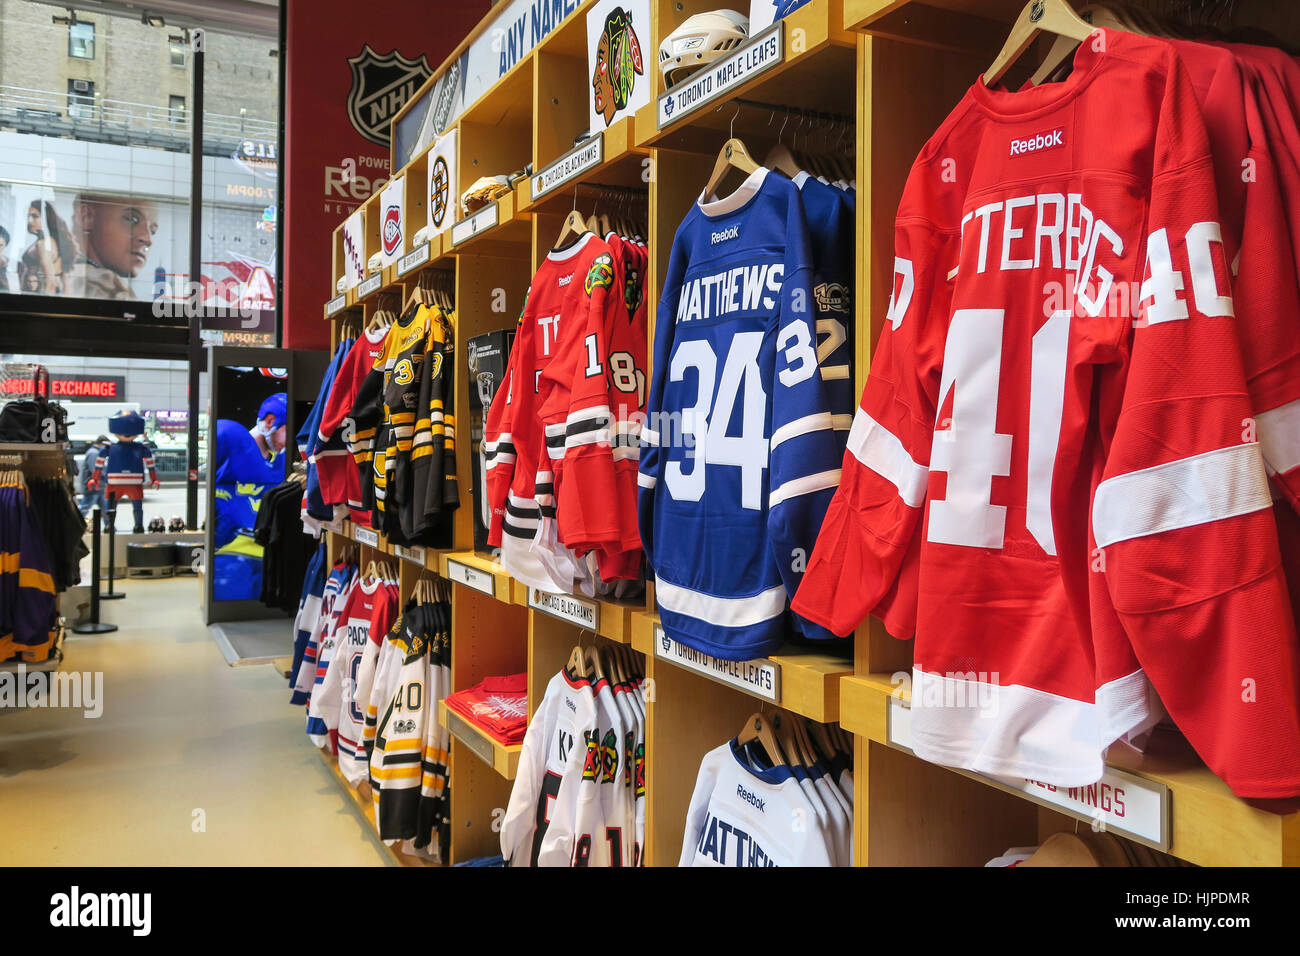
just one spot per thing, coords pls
(364, 805)
(500, 757)
(895, 68)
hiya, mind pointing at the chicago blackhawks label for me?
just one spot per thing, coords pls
(413, 259)
(566, 607)
(366, 536)
(370, 285)
(485, 218)
(1120, 802)
(569, 166)
(758, 55)
(336, 305)
(472, 578)
(761, 677)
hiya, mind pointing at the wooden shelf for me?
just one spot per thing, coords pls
(482, 569)
(364, 804)
(1210, 826)
(33, 448)
(510, 236)
(623, 165)
(807, 682)
(501, 758)
(817, 54)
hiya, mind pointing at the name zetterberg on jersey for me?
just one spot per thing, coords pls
(1045, 230)
(742, 289)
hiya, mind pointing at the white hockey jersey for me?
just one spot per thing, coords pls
(539, 825)
(740, 816)
(408, 767)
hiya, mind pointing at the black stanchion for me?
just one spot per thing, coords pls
(94, 626)
(110, 594)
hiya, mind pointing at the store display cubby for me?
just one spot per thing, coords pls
(894, 69)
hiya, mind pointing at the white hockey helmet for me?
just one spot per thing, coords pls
(699, 41)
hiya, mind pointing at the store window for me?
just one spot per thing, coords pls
(81, 40)
(176, 108)
(81, 99)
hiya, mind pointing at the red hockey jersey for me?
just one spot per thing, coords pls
(1056, 429)
(340, 483)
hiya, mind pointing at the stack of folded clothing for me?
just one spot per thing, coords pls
(498, 705)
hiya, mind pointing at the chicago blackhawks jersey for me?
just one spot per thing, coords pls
(1053, 443)
(739, 456)
(521, 454)
(741, 816)
(539, 826)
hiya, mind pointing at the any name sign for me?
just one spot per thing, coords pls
(480, 581)
(761, 677)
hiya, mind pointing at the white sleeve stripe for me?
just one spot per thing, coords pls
(881, 451)
(721, 611)
(1279, 436)
(585, 414)
(801, 426)
(834, 372)
(555, 430)
(646, 481)
(600, 436)
(803, 486)
(1191, 491)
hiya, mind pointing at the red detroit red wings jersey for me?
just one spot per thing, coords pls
(1051, 475)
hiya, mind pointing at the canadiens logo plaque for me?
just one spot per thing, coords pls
(381, 86)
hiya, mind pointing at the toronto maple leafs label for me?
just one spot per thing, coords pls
(566, 607)
(1120, 802)
(485, 218)
(366, 536)
(572, 164)
(472, 578)
(757, 56)
(336, 305)
(761, 677)
(413, 259)
(370, 285)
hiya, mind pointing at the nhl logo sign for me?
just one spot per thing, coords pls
(381, 86)
(392, 229)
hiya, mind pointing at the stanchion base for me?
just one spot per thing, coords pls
(111, 595)
(101, 628)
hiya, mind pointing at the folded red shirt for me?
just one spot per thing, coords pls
(497, 705)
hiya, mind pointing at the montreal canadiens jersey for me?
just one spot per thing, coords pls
(1051, 443)
(740, 816)
(739, 455)
(539, 825)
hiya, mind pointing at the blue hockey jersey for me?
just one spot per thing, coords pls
(739, 456)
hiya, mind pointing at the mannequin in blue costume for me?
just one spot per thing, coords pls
(243, 474)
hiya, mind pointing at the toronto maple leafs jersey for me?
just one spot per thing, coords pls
(739, 456)
(741, 816)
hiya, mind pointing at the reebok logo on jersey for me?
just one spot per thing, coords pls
(564, 280)
(752, 799)
(1038, 142)
(724, 235)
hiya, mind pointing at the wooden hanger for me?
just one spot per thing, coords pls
(1063, 849)
(1064, 47)
(733, 155)
(597, 668)
(785, 738)
(782, 160)
(574, 225)
(757, 729)
(577, 662)
(1038, 16)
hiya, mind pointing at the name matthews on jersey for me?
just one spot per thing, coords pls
(734, 290)
(728, 845)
